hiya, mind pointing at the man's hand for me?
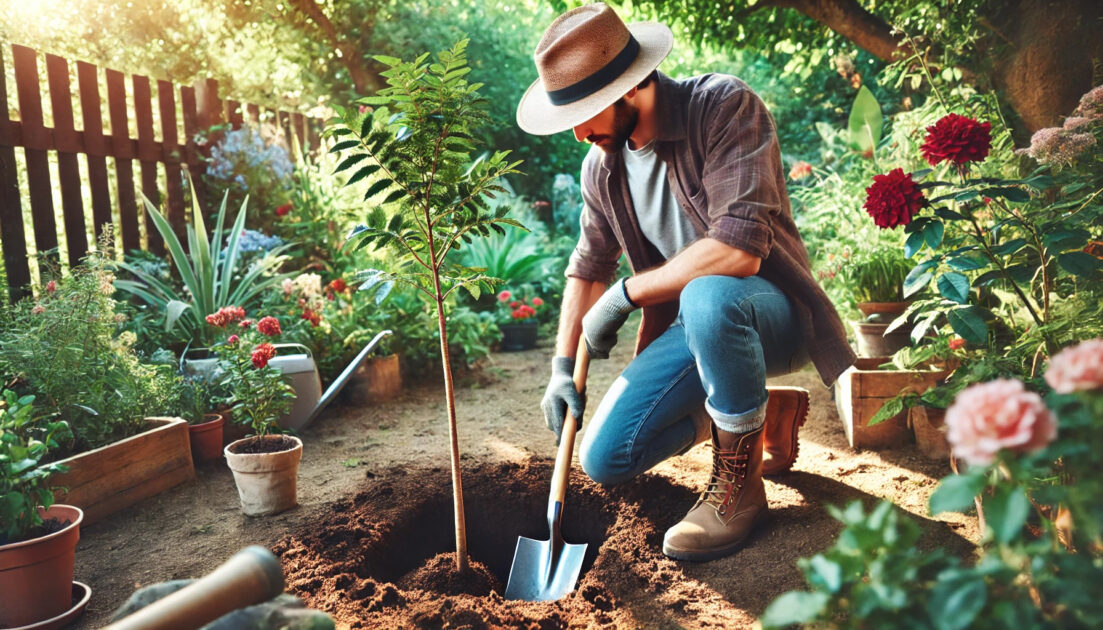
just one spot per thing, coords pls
(562, 395)
(604, 319)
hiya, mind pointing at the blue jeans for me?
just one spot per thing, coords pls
(730, 334)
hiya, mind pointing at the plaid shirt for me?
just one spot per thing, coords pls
(724, 168)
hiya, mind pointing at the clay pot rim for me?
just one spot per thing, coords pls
(66, 617)
(207, 420)
(78, 517)
(869, 308)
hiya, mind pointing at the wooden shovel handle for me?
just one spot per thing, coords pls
(253, 575)
(570, 427)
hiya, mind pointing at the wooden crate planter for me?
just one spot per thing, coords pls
(859, 394)
(116, 476)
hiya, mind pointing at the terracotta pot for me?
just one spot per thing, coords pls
(882, 308)
(36, 576)
(873, 342)
(930, 433)
(206, 437)
(267, 483)
(378, 379)
(517, 337)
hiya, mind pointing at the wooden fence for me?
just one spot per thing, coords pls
(200, 109)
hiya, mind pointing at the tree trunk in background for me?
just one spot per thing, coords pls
(365, 80)
(849, 19)
(1042, 57)
(1039, 54)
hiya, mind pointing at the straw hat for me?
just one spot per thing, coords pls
(587, 59)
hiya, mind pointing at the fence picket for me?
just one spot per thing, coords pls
(68, 145)
(95, 145)
(36, 139)
(171, 157)
(123, 151)
(148, 154)
(12, 236)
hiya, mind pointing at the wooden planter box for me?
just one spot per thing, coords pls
(860, 393)
(376, 380)
(112, 477)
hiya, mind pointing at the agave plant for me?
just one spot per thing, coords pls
(208, 273)
(515, 256)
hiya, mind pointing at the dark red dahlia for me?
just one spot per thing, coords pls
(893, 199)
(957, 139)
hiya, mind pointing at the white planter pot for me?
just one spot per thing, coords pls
(267, 483)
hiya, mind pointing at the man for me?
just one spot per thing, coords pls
(686, 178)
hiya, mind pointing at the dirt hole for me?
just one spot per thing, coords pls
(385, 557)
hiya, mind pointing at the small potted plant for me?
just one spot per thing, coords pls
(875, 278)
(38, 538)
(517, 319)
(197, 397)
(266, 463)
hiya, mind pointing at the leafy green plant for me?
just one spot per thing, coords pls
(63, 348)
(876, 275)
(26, 436)
(436, 196)
(210, 271)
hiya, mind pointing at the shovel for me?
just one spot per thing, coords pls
(545, 570)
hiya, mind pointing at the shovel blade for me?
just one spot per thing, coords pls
(542, 573)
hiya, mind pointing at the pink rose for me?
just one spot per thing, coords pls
(1077, 368)
(232, 339)
(996, 415)
(504, 296)
(537, 302)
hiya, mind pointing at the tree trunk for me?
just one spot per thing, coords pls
(364, 80)
(1041, 55)
(849, 19)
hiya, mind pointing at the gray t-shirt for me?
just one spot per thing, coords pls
(661, 220)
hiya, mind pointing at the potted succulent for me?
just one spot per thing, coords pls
(516, 318)
(875, 278)
(38, 539)
(265, 464)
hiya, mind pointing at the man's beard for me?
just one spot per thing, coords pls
(625, 117)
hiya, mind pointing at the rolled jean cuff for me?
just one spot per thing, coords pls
(738, 423)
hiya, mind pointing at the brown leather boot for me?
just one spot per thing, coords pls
(786, 412)
(728, 509)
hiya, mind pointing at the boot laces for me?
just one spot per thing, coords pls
(729, 469)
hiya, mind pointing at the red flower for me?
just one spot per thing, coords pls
(514, 304)
(269, 326)
(339, 285)
(312, 317)
(504, 296)
(800, 170)
(284, 210)
(957, 139)
(957, 343)
(537, 302)
(262, 354)
(51, 286)
(246, 323)
(893, 199)
(225, 315)
(232, 340)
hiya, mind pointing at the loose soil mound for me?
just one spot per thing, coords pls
(381, 559)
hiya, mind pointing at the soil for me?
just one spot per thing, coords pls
(266, 444)
(372, 541)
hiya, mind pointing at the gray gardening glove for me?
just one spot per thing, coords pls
(562, 395)
(604, 319)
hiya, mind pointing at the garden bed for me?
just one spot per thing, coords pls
(116, 476)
